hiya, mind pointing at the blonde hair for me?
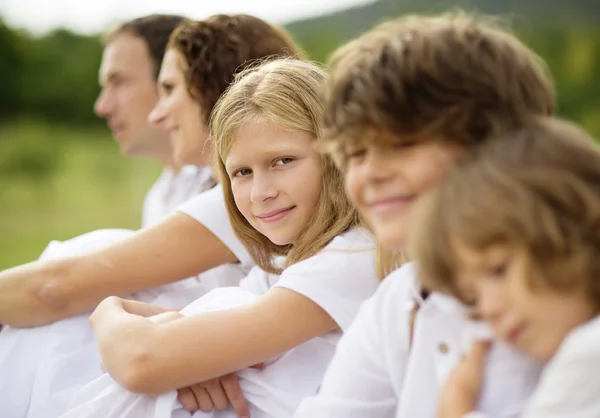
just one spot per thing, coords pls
(283, 92)
(455, 76)
(537, 189)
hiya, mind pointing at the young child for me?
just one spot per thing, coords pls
(287, 204)
(515, 233)
(404, 103)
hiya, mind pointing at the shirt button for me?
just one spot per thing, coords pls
(443, 348)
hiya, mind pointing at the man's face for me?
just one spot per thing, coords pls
(128, 95)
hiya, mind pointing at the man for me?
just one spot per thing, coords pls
(131, 61)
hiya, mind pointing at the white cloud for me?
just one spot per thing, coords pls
(89, 16)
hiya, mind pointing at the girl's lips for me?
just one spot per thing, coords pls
(275, 215)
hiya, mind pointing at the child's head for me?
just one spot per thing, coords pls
(201, 60)
(516, 231)
(409, 98)
(283, 197)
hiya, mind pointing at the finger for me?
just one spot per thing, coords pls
(258, 366)
(217, 393)
(188, 400)
(235, 395)
(205, 404)
(478, 353)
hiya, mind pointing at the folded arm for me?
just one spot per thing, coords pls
(42, 292)
(153, 358)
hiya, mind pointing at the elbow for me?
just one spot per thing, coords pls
(52, 291)
(139, 375)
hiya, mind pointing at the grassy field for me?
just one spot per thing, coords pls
(56, 183)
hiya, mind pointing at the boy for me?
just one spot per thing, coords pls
(404, 103)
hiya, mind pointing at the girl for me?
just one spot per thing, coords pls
(287, 204)
(517, 237)
(55, 361)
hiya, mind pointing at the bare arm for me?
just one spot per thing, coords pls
(42, 292)
(149, 358)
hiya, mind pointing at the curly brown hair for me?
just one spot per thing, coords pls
(216, 49)
(455, 76)
(537, 189)
(154, 29)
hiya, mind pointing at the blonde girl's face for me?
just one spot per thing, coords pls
(534, 319)
(276, 179)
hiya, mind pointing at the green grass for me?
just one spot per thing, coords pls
(56, 183)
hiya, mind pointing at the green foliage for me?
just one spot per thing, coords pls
(11, 66)
(91, 187)
(29, 149)
(60, 79)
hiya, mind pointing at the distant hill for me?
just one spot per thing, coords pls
(352, 22)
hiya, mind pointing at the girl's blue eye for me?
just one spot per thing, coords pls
(284, 160)
(243, 172)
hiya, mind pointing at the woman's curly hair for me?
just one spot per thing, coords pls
(216, 49)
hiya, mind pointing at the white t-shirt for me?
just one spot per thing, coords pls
(172, 189)
(51, 373)
(339, 279)
(208, 208)
(570, 383)
(378, 373)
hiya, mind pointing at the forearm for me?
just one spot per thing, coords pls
(31, 294)
(42, 292)
(155, 359)
(123, 340)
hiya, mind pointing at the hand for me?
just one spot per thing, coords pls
(215, 393)
(461, 391)
(165, 317)
(144, 309)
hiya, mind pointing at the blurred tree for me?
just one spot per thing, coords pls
(11, 66)
(60, 76)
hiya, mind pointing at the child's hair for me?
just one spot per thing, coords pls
(453, 77)
(537, 189)
(217, 48)
(284, 92)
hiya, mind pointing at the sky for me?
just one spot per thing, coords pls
(94, 16)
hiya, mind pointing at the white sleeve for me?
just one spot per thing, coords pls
(339, 278)
(208, 208)
(365, 375)
(570, 384)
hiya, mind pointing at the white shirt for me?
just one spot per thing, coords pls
(339, 278)
(172, 189)
(52, 372)
(570, 384)
(376, 374)
(209, 209)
